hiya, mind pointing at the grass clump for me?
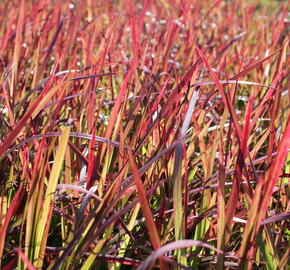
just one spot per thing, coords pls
(144, 134)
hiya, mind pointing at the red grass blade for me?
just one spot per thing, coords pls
(23, 257)
(263, 195)
(149, 221)
(254, 65)
(14, 206)
(150, 224)
(225, 98)
(12, 136)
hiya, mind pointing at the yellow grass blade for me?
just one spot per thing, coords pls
(45, 216)
(47, 98)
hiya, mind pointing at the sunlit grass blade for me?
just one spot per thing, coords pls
(14, 206)
(262, 196)
(149, 221)
(17, 48)
(177, 179)
(27, 263)
(12, 136)
(44, 219)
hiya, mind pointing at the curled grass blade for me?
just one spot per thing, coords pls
(173, 246)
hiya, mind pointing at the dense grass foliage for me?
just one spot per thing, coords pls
(144, 134)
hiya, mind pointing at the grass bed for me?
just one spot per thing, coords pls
(144, 134)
